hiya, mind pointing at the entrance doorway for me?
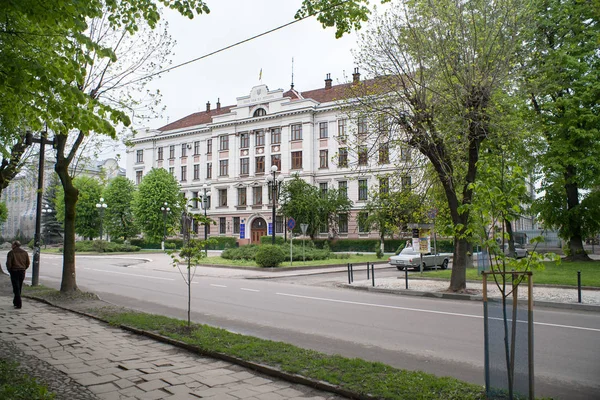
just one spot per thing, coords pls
(258, 229)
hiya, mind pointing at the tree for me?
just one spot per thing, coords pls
(156, 188)
(118, 218)
(441, 64)
(52, 227)
(88, 219)
(564, 90)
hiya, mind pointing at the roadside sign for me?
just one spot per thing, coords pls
(304, 227)
(291, 223)
(432, 213)
(242, 231)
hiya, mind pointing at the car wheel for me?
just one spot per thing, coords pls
(424, 267)
(445, 264)
(400, 268)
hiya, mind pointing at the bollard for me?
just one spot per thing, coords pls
(373, 273)
(406, 276)
(579, 286)
(349, 281)
(351, 273)
(367, 270)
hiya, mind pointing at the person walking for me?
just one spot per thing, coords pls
(17, 262)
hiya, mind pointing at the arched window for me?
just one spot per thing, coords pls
(260, 112)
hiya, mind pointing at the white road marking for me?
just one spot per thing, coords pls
(250, 290)
(217, 285)
(429, 311)
(124, 273)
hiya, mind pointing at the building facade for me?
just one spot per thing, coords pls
(231, 150)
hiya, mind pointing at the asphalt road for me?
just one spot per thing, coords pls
(444, 337)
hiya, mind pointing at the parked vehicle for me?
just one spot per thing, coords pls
(409, 258)
(520, 251)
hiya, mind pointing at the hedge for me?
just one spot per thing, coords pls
(268, 239)
(217, 243)
(102, 246)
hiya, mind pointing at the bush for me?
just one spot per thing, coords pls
(378, 251)
(220, 242)
(268, 239)
(101, 246)
(247, 252)
(269, 256)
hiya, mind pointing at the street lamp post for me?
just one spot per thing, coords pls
(165, 210)
(101, 207)
(204, 201)
(274, 183)
(46, 210)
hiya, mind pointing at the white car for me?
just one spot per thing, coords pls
(520, 251)
(409, 258)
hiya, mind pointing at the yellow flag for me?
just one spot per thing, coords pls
(260, 75)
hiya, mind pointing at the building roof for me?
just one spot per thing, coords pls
(199, 118)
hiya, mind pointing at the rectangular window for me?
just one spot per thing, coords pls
(223, 167)
(342, 134)
(244, 166)
(223, 142)
(184, 150)
(343, 158)
(276, 160)
(257, 195)
(363, 153)
(323, 158)
(361, 126)
(197, 148)
(222, 197)
(362, 222)
(406, 183)
(244, 140)
(196, 172)
(183, 173)
(260, 165)
(172, 171)
(259, 138)
(160, 154)
(242, 197)
(171, 151)
(343, 223)
(343, 188)
(323, 188)
(236, 225)
(296, 160)
(296, 131)
(209, 146)
(384, 185)
(323, 132)
(405, 154)
(362, 189)
(138, 177)
(275, 135)
(194, 200)
(222, 225)
(139, 156)
(208, 170)
(279, 224)
(384, 153)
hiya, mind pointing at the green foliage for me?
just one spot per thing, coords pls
(389, 212)
(269, 256)
(268, 239)
(3, 212)
(344, 16)
(102, 246)
(222, 242)
(52, 228)
(156, 188)
(378, 252)
(247, 252)
(16, 385)
(87, 223)
(118, 217)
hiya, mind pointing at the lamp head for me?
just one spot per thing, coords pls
(273, 168)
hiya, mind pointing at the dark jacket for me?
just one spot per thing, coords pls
(17, 260)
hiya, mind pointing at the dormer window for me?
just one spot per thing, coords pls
(260, 112)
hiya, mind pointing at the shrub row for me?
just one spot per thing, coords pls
(362, 245)
(216, 243)
(101, 246)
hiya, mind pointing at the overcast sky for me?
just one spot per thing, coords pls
(234, 72)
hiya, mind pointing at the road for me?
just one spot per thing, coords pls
(444, 337)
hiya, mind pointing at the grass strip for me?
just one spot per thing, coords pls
(353, 259)
(15, 385)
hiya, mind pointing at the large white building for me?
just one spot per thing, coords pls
(232, 148)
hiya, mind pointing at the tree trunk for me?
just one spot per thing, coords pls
(511, 239)
(574, 224)
(68, 283)
(459, 264)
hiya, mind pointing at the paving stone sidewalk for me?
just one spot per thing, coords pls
(81, 358)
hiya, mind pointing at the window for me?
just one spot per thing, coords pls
(183, 150)
(196, 172)
(279, 224)
(406, 182)
(276, 160)
(209, 146)
(384, 185)
(172, 171)
(222, 225)
(260, 165)
(195, 200)
(208, 170)
(343, 158)
(183, 173)
(172, 152)
(197, 148)
(296, 131)
(323, 188)
(362, 155)
(361, 126)
(260, 112)
(236, 225)
(323, 158)
(405, 154)
(343, 223)
(223, 167)
(222, 197)
(275, 135)
(244, 166)
(139, 156)
(342, 134)
(257, 195)
(362, 189)
(242, 197)
(244, 140)
(362, 217)
(138, 177)
(323, 130)
(260, 138)
(384, 153)
(296, 160)
(343, 188)
(223, 142)
(160, 154)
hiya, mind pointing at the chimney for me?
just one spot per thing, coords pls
(208, 106)
(328, 81)
(218, 104)
(356, 76)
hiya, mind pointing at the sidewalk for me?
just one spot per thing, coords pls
(81, 358)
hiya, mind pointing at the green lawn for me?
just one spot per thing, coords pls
(354, 259)
(16, 385)
(564, 273)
